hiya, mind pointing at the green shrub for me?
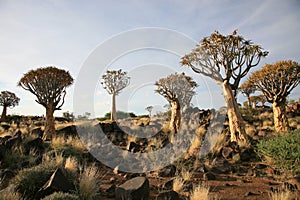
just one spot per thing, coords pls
(61, 196)
(30, 180)
(283, 151)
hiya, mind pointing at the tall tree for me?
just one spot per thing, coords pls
(149, 109)
(49, 86)
(247, 89)
(114, 81)
(226, 59)
(178, 90)
(8, 100)
(276, 81)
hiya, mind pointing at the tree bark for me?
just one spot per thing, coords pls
(113, 114)
(249, 102)
(236, 124)
(49, 132)
(4, 111)
(175, 117)
(280, 119)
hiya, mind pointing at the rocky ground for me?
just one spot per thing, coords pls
(230, 172)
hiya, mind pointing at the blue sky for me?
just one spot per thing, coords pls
(64, 33)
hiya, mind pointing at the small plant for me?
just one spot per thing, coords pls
(89, 182)
(280, 195)
(71, 165)
(200, 192)
(186, 175)
(61, 196)
(178, 184)
(283, 151)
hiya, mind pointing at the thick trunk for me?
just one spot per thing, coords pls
(280, 119)
(254, 105)
(113, 114)
(3, 116)
(50, 124)
(236, 125)
(175, 117)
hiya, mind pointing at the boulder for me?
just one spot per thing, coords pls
(12, 142)
(37, 131)
(57, 182)
(134, 189)
(67, 131)
(36, 144)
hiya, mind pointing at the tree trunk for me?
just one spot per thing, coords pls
(175, 117)
(236, 124)
(50, 124)
(249, 102)
(3, 116)
(113, 114)
(280, 119)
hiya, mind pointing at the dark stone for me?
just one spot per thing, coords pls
(134, 147)
(168, 171)
(57, 182)
(12, 142)
(227, 152)
(167, 185)
(18, 133)
(110, 191)
(250, 194)
(168, 195)
(37, 131)
(67, 131)
(209, 176)
(5, 126)
(134, 189)
(36, 144)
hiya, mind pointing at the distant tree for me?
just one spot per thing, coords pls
(49, 86)
(276, 81)
(69, 116)
(247, 89)
(178, 90)
(149, 109)
(114, 82)
(7, 100)
(226, 59)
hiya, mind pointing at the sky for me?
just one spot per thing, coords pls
(70, 34)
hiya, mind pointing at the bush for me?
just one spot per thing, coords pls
(61, 196)
(283, 151)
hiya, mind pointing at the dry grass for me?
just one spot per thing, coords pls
(186, 175)
(89, 182)
(178, 184)
(250, 130)
(200, 192)
(74, 142)
(71, 165)
(281, 195)
(9, 196)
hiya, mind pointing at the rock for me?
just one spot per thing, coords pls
(167, 185)
(168, 171)
(134, 189)
(18, 133)
(5, 125)
(12, 142)
(36, 145)
(37, 131)
(168, 195)
(110, 191)
(57, 182)
(227, 152)
(209, 176)
(67, 131)
(250, 194)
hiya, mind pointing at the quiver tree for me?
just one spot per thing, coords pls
(114, 82)
(178, 90)
(226, 59)
(7, 100)
(149, 109)
(49, 86)
(276, 81)
(247, 89)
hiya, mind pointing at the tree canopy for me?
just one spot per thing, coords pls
(114, 81)
(8, 99)
(48, 85)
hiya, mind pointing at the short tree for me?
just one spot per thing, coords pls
(247, 89)
(149, 109)
(114, 82)
(7, 100)
(226, 59)
(276, 81)
(49, 86)
(178, 90)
